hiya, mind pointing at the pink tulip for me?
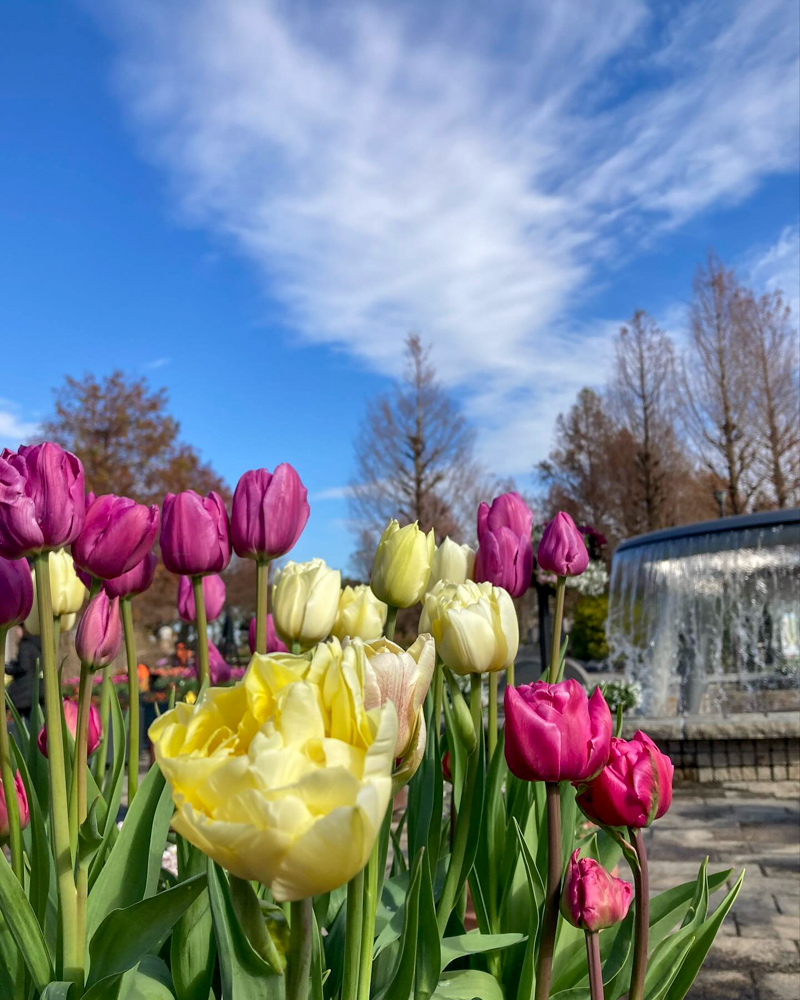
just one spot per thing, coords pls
(115, 537)
(135, 581)
(41, 499)
(555, 733)
(94, 729)
(22, 807)
(274, 644)
(633, 789)
(218, 670)
(561, 550)
(195, 536)
(99, 634)
(592, 898)
(269, 512)
(213, 597)
(505, 553)
(16, 592)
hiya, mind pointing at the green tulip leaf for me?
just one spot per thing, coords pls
(56, 991)
(429, 957)
(23, 926)
(454, 948)
(192, 946)
(150, 980)
(37, 847)
(468, 984)
(402, 978)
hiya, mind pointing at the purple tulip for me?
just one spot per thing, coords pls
(218, 670)
(22, 808)
(269, 512)
(195, 536)
(135, 581)
(213, 597)
(505, 553)
(116, 535)
(94, 728)
(561, 550)
(274, 644)
(593, 898)
(99, 634)
(41, 499)
(16, 592)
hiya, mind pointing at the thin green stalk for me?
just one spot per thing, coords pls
(70, 964)
(544, 965)
(352, 936)
(492, 738)
(79, 782)
(391, 619)
(101, 757)
(368, 922)
(641, 884)
(297, 648)
(438, 694)
(133, 697)
(7, 773)
(620, 720)
(201, 624)
(94, 590)
(595, 968)
(555, 649)
(510, 675)
(298, 966)
(262, 601)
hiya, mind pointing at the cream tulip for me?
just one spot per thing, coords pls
(66, 591)
(361, 615)
(474, 624)
(451, 562)
(305, 601)
(402, 564)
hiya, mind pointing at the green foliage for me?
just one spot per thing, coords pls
(587, 637)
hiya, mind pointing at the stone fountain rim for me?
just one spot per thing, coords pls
(737, 522)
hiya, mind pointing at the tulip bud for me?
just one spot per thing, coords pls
(452, 562)
(361, 615)
(274, 644)
(213, 597)
(22, 808)
(505, 553)
(94, 729)
(464, 724)
(305, 601)
(555, 733)
(67, 593)
(16, 592)
(592, 899)
(41, 499)
(402, 565)
(474, 625)
(561, 550)
(135, 581)
(195, 536)
(99, 635)
(218, 670)
(116, 536)
(633, 789)
(269, 512)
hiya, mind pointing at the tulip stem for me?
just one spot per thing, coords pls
(438, 694)
(262, 604)
(368, 924)
(71, 957)
(133, 697)
(544, 966)
(201, 624)
(298, 967)
(101, 756)
(595, 967)
(492, 736)
(641, 883)
(558, 617)
(79, 787)
(9, 785)
(352, 936)
(391, 619)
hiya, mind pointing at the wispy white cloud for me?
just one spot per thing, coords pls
(157, 363)
(465, 174)
(333, 493)
(778, 268)
(14, 428)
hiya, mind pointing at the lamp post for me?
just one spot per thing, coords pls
(719, 496)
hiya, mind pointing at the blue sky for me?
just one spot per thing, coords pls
(252, 202)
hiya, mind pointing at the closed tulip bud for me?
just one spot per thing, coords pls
(213, 597)
(195, 536)
(99, 634)
(633, 789)
(269, 512)
(22, 808)
(505, 553)
(41, 499)
(462, 717)
(554, 732)
(452, 562)
(274, 644)
(135, 581)
(562, 550)
(16, 591)
(402, 564)
(361, 615)
(592, 899)
(94, 729)
(67, 592)
(474, 624)
(116, 536)
(218, 670)
(305, 601)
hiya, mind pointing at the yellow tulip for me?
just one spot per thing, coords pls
(66, 592)
(361, 615)
(474, 624)
(305, 601)
(451, 562)
(284, 778)
(402, 565)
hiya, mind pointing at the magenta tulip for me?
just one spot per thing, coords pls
(94, 730)
(592, 898)
(561, 550)
(135, 581)
(269, 512)
(195, 535)
(218, 670)
(41, 499)
(115, 537)
(16, 592)
(505, 553)
(555, 733)
(22, 808)
(633, 789)
(274, 644)
(213, 596)
(99, 634)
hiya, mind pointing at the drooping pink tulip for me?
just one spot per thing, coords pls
(592, 898)
(116, 536)
(505, 553)
(633, 789)
(218, 670)
(562, 550)
(22, 808)
(41, 499)
(99, 634)
(135, 581)
(94, 729)
(274, 644)
(16, 592)
(195, 535)
(213, 597)
(269, 512)
(554, 732)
